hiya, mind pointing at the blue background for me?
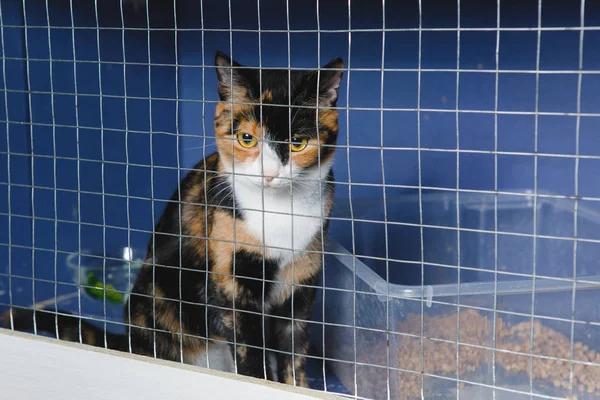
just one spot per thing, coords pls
(139, 133)
(63, 138)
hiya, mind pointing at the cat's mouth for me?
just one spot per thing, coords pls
(278, 184)
(274, 185)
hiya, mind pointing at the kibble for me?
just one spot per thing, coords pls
(440, 357)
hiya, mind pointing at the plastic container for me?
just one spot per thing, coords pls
(109, 278)
(429, 306)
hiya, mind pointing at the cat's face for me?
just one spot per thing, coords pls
(270, 146)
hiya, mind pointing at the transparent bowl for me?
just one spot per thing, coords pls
(107, 278)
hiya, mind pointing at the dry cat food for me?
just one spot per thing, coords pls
(440, 357)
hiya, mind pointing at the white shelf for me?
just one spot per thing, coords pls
(35, 367)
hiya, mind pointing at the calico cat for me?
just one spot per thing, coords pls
(224, 240)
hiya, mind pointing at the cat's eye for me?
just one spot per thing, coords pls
(246, 140)
(298, 144)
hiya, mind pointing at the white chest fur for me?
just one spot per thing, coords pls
(287, 222)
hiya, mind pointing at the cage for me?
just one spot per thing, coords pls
(463, 255)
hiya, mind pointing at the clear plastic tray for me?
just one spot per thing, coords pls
(428, 307)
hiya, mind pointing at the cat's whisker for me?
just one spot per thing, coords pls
(199, 147)
(221, 192)
(304, 185)
(220, 203)
(217, 186)
(295, 115)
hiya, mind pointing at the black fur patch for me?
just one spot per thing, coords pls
(250, 265)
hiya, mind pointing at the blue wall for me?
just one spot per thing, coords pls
(31, 132)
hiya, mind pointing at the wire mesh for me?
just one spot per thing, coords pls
(463, 246)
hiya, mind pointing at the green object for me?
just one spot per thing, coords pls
(96, 290)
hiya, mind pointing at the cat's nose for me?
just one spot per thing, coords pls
(269, 176)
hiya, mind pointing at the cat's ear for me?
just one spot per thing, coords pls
(329, 82)
(232, 84)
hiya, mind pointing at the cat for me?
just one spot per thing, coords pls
(231, 216)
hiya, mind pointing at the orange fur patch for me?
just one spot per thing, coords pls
(227, 319)
(194, 210)
(307, 156)
(192, 347)
(166, 318)
(289, 375)
(301, 379)
(242, 351)
(194, 225)
(298, 365)
(158, 294)
(222, 119)
(252, 127)
(299, 362)
(229, 147)
(166, 312)
(140, 320)
(267, 96)
(328, 118)
(305, 266)
(194, 220)
(221, 248)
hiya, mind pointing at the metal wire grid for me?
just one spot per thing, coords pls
(574, 281)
